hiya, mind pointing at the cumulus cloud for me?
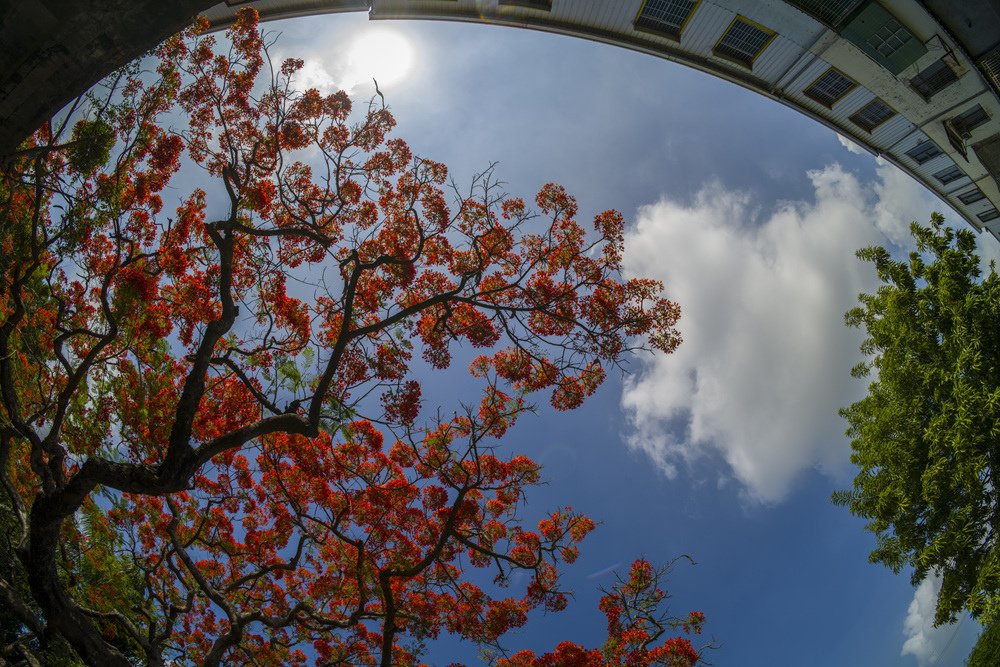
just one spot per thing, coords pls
(314, 74)
(328, 75)
(899, 200)
(923, 641)
(766, 358)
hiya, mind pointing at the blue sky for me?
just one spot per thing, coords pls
(729, 449)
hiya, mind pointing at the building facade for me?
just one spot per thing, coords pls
(917, 83)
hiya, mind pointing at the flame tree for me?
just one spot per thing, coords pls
(211, 441)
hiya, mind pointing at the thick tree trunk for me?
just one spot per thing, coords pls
(60, 612)
(54, 50)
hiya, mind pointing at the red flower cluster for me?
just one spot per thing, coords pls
(228, 376)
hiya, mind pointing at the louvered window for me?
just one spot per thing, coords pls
(830, 87)
(949, 175)
(933, 79)
(924, 151)
(665, 17)
(743, 41)
(972, 196)
(872, 115)
(966, 122)
(990, 66)
(830, 12)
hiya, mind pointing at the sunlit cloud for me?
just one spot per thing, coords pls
(766, 358)
(923, 641)
(900, 200)
(315, 75)
(369, 54)
(850, 145)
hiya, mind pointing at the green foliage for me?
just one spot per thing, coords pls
(93, 571)
(986, 652)
(925, 436)
(91, 145)
(18, 645)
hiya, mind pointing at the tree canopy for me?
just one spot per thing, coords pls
(986, 652)
(213, 448)
(925, 438)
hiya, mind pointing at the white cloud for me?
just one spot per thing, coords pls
(315, 75)
(350, 64)
(850, 145)
(901, 200)
(766, 358)
(923, 641)
(988, 250)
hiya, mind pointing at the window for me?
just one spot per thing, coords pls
(882, 37)
(545, 5)
(924, 151)
(889, 38)
(949, 175)
(971, 197)
(960, 127)
(988, 152)
(990, 66)
(665, 17)
(966, 122)
(872, 115)
(743, 41)
(830, 87)
(989, 215)
(956, 140)
(933, 79)
(830, 12)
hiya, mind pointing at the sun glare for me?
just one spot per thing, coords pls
(380, 54)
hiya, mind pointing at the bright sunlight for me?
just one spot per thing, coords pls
(379, 54)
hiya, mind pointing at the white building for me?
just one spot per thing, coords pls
(917, 83)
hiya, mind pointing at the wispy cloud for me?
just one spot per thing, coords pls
(850, 145)
(766, 358)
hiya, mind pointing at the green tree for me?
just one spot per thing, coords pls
(925, 436)
(986, 652)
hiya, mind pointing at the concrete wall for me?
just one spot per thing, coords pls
(52, 51)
